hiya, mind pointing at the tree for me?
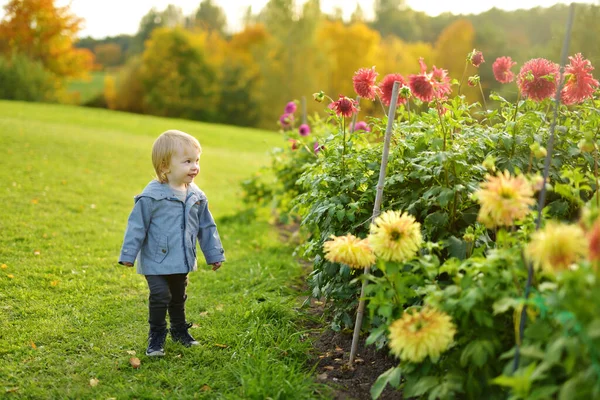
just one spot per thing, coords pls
(349, 48)
(171, 17)
(46, 33)
(108, 54)
(177, 77)
(210, 17)
(451, 50)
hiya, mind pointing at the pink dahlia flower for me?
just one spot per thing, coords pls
(476, 58)
(290, 107)
(538, 78)
(387, 85)
(426, 86)
(364, 83)
(344, 106)
(286, 120)
(579, 82)
(360, 126)
(316, 147)
(304, 130)
(501, 68)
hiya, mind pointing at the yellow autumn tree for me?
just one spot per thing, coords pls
(44, 33)
(451, 50)
(241, 95)
(397, 56)
(349, 47)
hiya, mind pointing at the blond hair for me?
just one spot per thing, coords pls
(164, 147)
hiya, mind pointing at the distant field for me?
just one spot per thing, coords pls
(71, 317)
(88, 88)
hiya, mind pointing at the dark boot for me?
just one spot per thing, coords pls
(181, 335)
(156, 343)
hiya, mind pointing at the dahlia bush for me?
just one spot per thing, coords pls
(478, 290)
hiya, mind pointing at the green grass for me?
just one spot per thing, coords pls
(88, 88)
(69, 313)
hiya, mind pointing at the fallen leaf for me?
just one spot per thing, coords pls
(131, 352)
(359, 360)
(339, 349)
(203, 313)
(178, 356)
(94, 382)
(329, 367)
(337, 359)
(205, 388)
(12, 390)
(3, 266)
(36, 252)
(219, 307)
(221, 345)
(135, 362)
(33, 346)
(322, 377)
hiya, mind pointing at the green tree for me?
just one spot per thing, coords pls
(210, 17)
(171, 16)
(178, 79)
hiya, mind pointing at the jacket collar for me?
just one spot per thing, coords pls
(160, 191)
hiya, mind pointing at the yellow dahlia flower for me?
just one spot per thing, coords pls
(395, 236)
(426, 333)
(349, 250)
(504, 199)
(556, 247)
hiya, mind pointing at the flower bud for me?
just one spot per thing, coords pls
(586, 146)
(319, 97)
(473, 80)
(537, 150)
(489, 164)
(469, 237)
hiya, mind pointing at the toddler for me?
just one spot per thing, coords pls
(168, 217)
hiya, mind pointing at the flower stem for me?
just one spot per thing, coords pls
(484, 102)
(344, 146)
(463, 76)
(442, 125)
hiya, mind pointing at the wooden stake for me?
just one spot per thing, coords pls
(376, 210)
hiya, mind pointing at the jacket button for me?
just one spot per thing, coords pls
(164, 251)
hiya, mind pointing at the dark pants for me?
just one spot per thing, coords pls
(167, 293)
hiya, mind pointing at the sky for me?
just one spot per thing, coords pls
(113, 17)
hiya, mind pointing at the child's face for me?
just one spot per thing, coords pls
(184, 166)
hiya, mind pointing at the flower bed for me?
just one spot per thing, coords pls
(450, 289)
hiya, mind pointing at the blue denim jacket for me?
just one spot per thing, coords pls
(162, 232)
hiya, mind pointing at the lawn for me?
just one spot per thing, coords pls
(71, 317)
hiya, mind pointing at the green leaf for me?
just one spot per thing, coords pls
(504, 304)
(391, 376)
(420, 387)
(477, 353)
(376, 334)
(457, 248)
(445, 196)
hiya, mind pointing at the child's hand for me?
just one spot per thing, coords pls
(216, 266)
(127, 264)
